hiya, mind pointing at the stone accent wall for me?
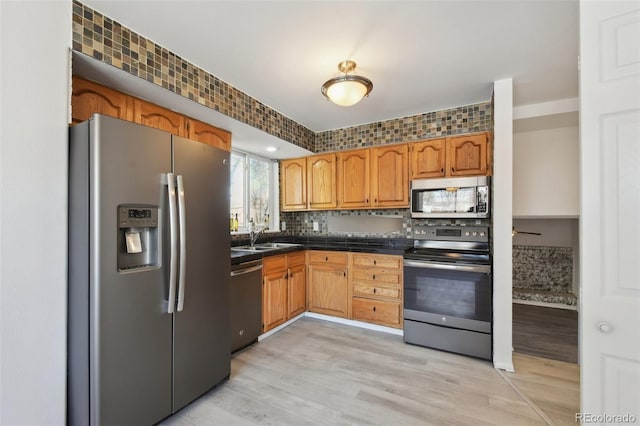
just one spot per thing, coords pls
(547, 269)
(108, 41)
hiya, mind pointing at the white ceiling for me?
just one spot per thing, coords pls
(421, 55)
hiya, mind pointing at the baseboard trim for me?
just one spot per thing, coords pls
(280, 327)
(506, 366)
(546, 304)
(354, 323)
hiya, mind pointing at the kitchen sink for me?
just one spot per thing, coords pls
(262, 247)
(277, 245)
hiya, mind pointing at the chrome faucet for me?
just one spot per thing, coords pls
(253, 236)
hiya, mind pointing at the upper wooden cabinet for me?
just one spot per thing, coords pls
(293, 184)
(466, 155)
(428, 159)
(353, 178)
(208, 134)
(88, 98)
(390, 176)
(157, 117)
(321, 181)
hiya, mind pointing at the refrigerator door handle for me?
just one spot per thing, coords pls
(173, 233)
(183, 242)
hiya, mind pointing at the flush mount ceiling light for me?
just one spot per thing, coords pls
(348, 89)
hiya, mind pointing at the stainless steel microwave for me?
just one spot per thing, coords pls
(463, 197)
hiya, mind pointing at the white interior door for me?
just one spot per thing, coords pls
(610, 204)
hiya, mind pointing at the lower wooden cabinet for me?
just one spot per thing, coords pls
(377, 282)
(328, 290)
(359, 286)
(283, 288)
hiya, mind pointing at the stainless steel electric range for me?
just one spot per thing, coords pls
(448, 290)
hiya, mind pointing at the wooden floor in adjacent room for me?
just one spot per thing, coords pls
(545, 332)
(322, 373)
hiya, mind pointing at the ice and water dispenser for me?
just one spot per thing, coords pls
(138, 237)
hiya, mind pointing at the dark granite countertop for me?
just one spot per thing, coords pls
(396, 246)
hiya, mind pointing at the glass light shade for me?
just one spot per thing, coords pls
(346, 93)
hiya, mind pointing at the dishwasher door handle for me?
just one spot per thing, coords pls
(246, 270)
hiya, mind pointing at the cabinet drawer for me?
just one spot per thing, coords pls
(327, 257)
(274, 263)
(295, 259)
(374, 276)
(365, 289)
(372, 260)
(377, 311)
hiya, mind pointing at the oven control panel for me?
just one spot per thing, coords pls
(451, 233)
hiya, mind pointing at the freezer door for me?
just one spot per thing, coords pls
(131, 331)
(202, 328)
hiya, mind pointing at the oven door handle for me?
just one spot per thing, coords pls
(485, 269)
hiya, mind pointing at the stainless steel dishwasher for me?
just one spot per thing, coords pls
(246, 304)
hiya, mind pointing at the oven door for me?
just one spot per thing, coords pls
(449, 295)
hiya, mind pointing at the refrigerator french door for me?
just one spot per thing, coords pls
(148, 272)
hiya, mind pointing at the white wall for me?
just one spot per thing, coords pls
(34, 41)
(546, 173)
(502, 219)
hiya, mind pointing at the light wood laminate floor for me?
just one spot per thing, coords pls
(321, 373)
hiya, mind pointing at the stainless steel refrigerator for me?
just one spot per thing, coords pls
(148, 272)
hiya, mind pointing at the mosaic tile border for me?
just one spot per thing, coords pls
(108, 41)
(465, 119)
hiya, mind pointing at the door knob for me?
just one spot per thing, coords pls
(604, 327)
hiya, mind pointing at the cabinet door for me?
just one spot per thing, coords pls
(274, 299)
(328, 292)
(88, 98)
(208, 134)
(321, 181)
(152, 115)
(293, 184)
(353, 178)
(297, 290)
(467, 155)
(428, 159)
(390, 176)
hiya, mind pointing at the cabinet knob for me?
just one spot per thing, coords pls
(442, 170)
(344, 274)
(374, 309)
(366, 200)
(453, 170)
(374, 261)
(374, 276)
(374, 291)
(326, 259)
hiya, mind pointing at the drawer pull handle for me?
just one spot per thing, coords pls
(374, 276)
(326, 259)
(374, 262)
(374, 291)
